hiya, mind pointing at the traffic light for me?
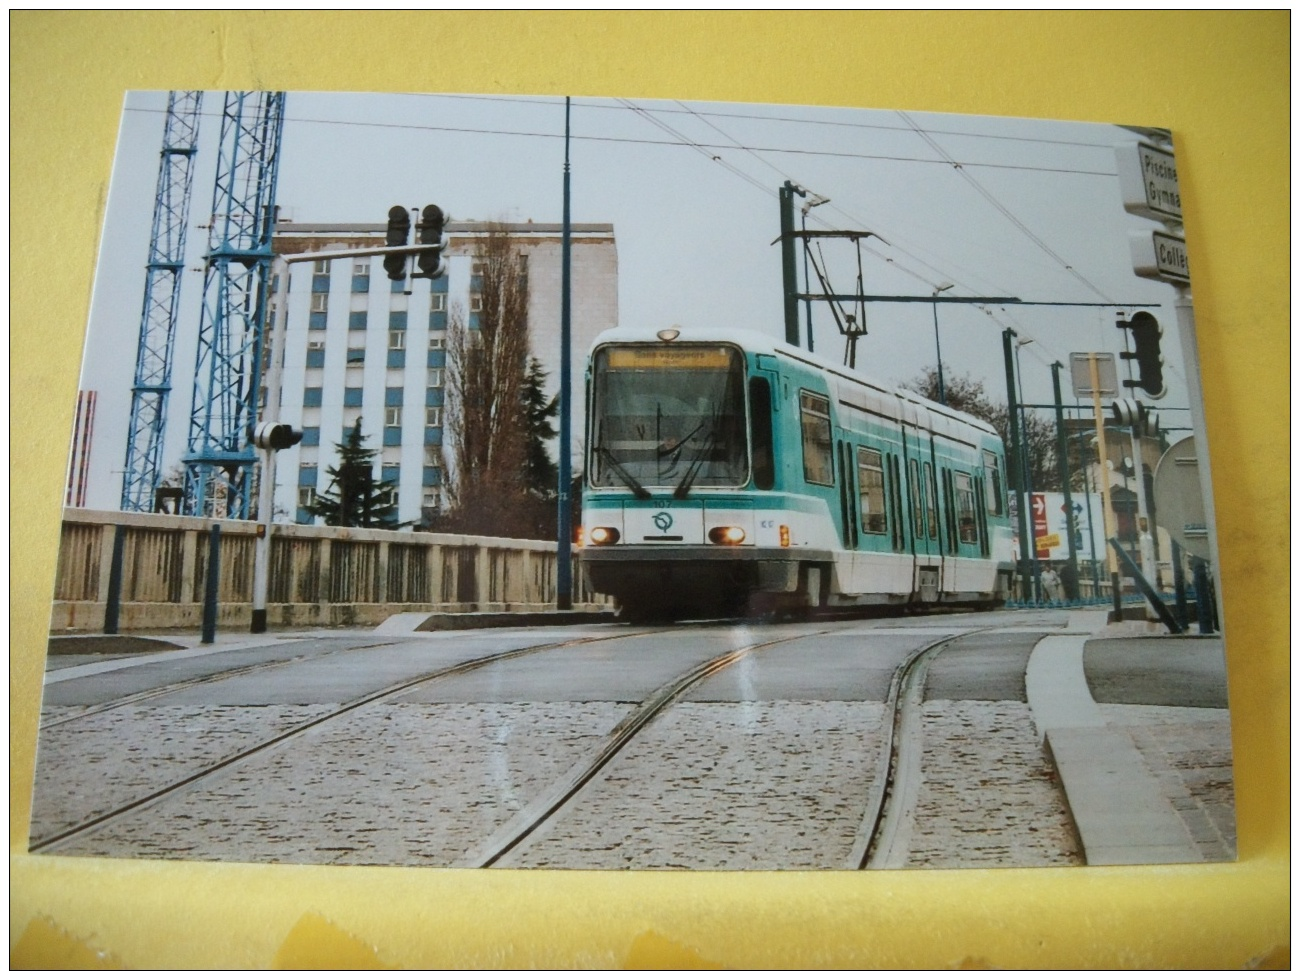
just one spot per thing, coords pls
(275, 435)
(399, 234)
(431, 223)
(1129, 413)
(1146, 351)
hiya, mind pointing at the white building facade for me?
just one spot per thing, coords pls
(358, 345)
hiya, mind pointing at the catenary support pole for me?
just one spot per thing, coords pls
(564, 546)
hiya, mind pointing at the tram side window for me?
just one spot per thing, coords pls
(967, 528)
(871, 491)
(992, 485)
(931, 502)
(760, 416)
(914, 490)
(815, 420)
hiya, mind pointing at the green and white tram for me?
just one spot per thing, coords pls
(727, 473)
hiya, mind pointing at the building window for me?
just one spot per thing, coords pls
(433, 459)
(311, 397)
(352, 397)
(432, 498)
(396, 340)
(321, 267)
(476, 303)
(361, 267)
(437, 342)
(306, 496)
(393, 416)
(390, 472)
(397, 320)
(320, 303)
(356, 356)
(311, 436)
(435, 377)
(437, 303)
(316, 357)
(433, 417)
(357, 320)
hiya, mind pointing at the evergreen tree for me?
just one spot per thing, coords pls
(354, 498)
(542, 476)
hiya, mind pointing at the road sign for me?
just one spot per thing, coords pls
(1159, 256)
(1081, 375)
(1180, 505)
(1148, 181)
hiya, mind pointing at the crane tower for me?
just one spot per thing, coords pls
(162, 290)
(219, 460)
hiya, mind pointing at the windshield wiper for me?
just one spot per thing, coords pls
(638, 490)
(684, 487)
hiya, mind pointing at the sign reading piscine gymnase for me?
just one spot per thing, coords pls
(1148, 181)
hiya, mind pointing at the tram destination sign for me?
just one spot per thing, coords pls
(1159, 256)
(1148, 181)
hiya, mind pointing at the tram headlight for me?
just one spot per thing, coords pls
(727, 535)
(602, 535)
(785, 536)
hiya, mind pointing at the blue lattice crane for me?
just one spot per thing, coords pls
(220, 458)
(162, 289)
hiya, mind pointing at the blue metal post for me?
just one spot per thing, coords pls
(564, 549)
(113, 599)
(211, 585)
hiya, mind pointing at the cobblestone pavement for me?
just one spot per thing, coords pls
(755, 785)
(989, 796)
(1189, 751)
(395, 784)
(106, 760)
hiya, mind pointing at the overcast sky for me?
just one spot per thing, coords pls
(996, 207)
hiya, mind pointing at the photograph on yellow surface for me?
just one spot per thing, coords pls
(617, 484)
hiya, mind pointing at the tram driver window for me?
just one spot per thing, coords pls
(967, 531)
(815, 420)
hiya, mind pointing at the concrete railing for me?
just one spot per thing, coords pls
(319, 575)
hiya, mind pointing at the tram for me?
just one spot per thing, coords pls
(727, 474)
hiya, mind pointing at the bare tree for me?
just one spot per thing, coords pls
(968, 394)
(487, 374)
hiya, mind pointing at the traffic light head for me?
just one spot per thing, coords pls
(1146, 351)
(399, 234)
(432, 220)
(275, 435)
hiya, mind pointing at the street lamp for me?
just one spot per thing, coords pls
(938, 354)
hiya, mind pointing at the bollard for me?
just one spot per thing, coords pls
(210, 586)
(114, 597)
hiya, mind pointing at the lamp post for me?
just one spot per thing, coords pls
(938, 353)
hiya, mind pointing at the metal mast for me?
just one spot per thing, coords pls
(162, 290)
(227, 367)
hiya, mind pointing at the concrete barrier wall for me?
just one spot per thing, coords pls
(319, 575)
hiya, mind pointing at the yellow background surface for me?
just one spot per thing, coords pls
(1219, 80)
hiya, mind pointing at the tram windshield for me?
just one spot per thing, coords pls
(668, 416)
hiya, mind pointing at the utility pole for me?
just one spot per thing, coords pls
(564, 546)
(789, 268)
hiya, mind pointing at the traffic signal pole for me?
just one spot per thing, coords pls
(275, 380)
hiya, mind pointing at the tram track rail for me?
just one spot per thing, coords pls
(205, 774)
(882, 836)
(569, 786)
(201, 680)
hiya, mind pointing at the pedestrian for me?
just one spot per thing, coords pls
(1051, 584)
